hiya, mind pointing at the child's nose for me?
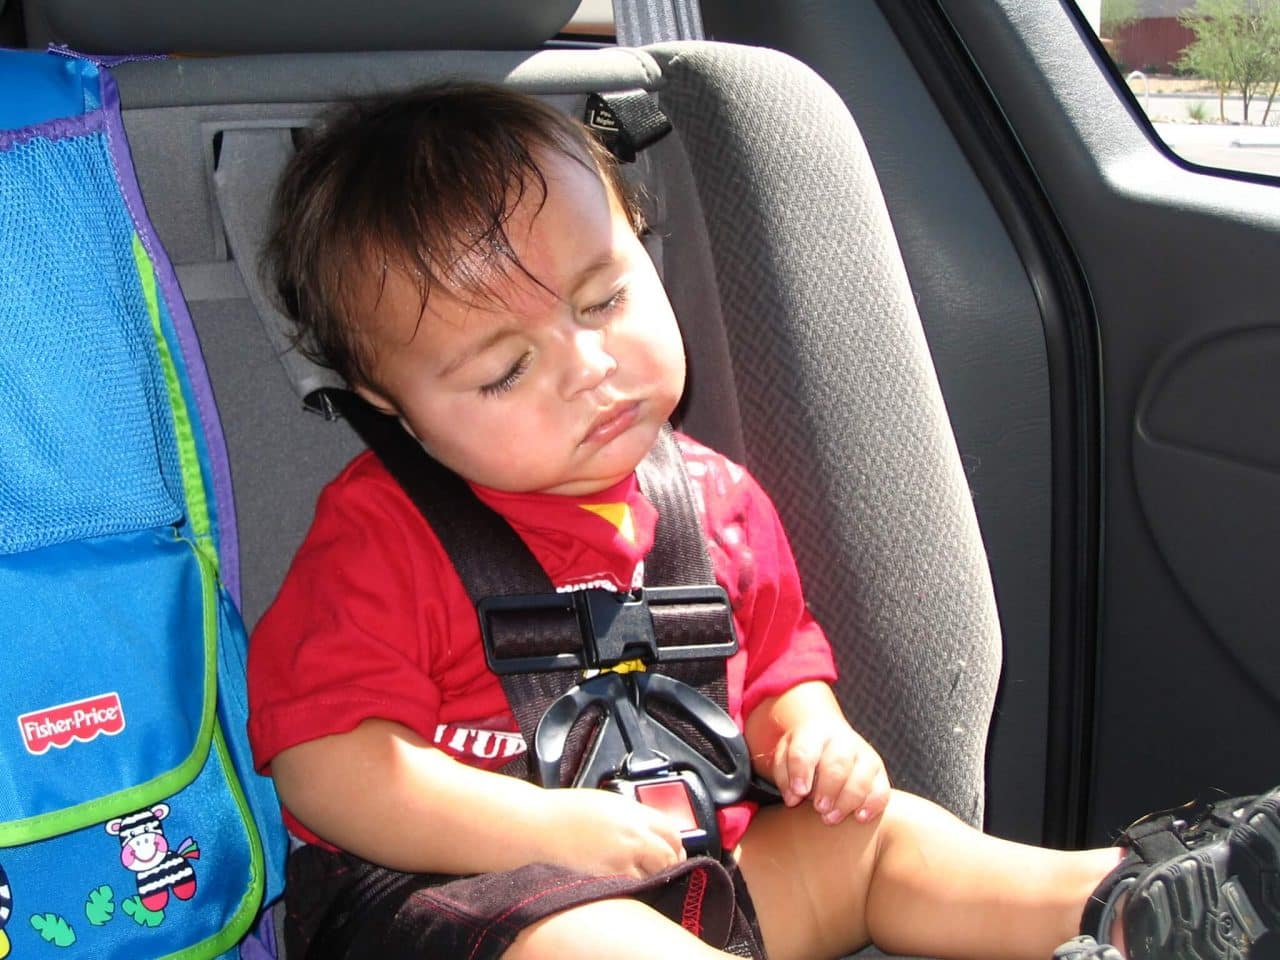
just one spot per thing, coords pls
(589, 362)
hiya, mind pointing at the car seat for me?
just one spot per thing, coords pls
(807, 360)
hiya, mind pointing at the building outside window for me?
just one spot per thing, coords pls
(1206, 73)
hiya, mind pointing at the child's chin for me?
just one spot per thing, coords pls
(617, 461)
(624, 453)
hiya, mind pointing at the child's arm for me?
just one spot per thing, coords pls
(383, 793)
(802, 742)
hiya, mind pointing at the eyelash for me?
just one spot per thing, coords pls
(615, 301)
(510, 378)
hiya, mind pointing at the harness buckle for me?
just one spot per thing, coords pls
(681, 796)
(634, 750)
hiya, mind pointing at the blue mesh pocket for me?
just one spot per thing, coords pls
(86, 442)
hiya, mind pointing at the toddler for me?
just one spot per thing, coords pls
(470, 261)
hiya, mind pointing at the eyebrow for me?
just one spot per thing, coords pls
(606, 259)
(475, 349)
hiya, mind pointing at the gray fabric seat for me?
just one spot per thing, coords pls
(806, 354)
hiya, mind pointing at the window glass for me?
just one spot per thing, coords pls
(1207, 73)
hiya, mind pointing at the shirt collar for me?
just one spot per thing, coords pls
(597, 540)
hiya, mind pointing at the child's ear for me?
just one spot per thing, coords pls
(380, 403)
(376, 400)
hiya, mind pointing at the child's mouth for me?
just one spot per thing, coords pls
(614, 421)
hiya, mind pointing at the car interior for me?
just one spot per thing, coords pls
(1006, 365)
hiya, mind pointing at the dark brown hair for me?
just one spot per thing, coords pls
(422, 182)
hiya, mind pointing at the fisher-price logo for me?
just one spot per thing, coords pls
(82, 720)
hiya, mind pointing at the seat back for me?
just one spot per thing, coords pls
(807, 360)
(839, 409)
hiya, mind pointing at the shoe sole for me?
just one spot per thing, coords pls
(1255, 863)
(1221, 902)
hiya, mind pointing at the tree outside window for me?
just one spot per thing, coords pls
(1237, 47)
(1205, 73)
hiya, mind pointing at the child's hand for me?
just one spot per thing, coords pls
(601, 832)
(827, 761)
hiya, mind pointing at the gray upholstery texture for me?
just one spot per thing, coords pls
(841, 414)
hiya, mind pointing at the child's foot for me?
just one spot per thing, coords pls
(1200, 883)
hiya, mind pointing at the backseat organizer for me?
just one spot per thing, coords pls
(131, 822)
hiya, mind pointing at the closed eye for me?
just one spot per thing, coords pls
(510, 378)
(613, 303)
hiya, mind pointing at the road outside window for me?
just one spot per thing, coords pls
(1207, 73)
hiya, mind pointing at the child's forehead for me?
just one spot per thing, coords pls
(559, 230)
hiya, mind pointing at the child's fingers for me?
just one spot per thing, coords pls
(836, 793)
(665, 850)
(877, 798)
(873, 787)
(795, 760)
(782, 776)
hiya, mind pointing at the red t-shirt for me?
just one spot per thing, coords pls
(372, 620)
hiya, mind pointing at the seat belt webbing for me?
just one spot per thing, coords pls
(641, 22)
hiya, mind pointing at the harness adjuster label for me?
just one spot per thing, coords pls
(80, 720)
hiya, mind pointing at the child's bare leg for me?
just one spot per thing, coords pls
(917, 881)
(622, 929)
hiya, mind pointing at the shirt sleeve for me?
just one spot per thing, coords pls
(342, 641)
(785, 645)
(779, 643)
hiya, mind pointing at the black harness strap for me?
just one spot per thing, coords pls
(474, 535)
(679, 557)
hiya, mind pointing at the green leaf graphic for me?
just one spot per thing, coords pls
(53, 929)
(140, 914)
(101, 906)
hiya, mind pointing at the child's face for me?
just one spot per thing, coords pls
(562, 391)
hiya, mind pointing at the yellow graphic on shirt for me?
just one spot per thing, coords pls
(619, 514)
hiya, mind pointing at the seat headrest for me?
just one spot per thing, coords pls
(294, 26)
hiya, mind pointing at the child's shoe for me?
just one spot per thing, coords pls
(1086, 948)
(1201, 882)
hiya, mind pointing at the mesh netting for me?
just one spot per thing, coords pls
(86, 443)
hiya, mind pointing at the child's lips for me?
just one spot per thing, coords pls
(614, 421)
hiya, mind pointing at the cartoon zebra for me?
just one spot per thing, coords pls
(6, 910)
(144, 849)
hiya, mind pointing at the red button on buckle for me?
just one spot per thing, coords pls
(671, 798)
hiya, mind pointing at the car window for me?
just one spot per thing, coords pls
(1205, 72)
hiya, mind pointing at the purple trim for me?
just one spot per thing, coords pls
(260, 944)
(103, 59)
(59, 128)
(198, 376)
